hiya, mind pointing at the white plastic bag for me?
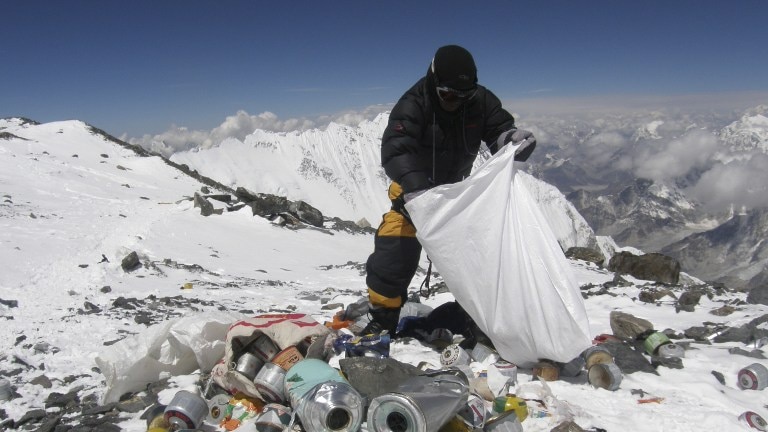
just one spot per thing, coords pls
(499, 257)
(175, 347)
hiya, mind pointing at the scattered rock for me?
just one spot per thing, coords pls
(585, 254)
(626, 326)
(206, 208)
(307, 213)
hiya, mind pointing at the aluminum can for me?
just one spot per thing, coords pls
(754, 420)
(605, 375)
(753, 377)
(186, 410)
(596, 354)
(654, 341)
(671, 350)
(454, 355)
(249, 365)
(288, 357)
(264, 348)
(270, 383)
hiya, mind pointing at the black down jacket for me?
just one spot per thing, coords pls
(424, 146)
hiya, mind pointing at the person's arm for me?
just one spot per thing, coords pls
(500, 129)
(400, 145)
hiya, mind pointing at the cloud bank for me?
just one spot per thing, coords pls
(242, 124)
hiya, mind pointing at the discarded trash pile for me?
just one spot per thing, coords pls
(276, 376)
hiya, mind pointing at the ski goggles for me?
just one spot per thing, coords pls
(448, 94)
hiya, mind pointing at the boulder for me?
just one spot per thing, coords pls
(626, 326)
(653, 266)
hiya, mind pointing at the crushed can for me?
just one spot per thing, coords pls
(273, 418)
(754, 420)
(186, 410)
(474, 413)
(753, 377)
(424, 403)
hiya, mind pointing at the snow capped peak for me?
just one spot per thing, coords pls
(649, 131)
(748, 133)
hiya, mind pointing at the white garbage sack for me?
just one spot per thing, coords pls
(175, 347)
(501, 260)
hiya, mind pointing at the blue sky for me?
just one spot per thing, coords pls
(138, 67)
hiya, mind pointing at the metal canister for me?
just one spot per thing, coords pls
(753, 377)
(546, 371)
(654, 341)
(595, 355)
(322, 398)
(249, 365)
(264, 348)
(605, 375)
(454, 355)
(754, 420)
(155, 416)
(421, 404)
(217, 408)
(186, 410)
(288, 357)
(671, 350)
(504, 422)
(270, 382)
(273, 418)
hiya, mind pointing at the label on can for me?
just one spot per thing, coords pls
(753, 377)
(754, 420)
(454, 355)
(287, 357)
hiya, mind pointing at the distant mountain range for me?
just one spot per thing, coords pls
(337, 170)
